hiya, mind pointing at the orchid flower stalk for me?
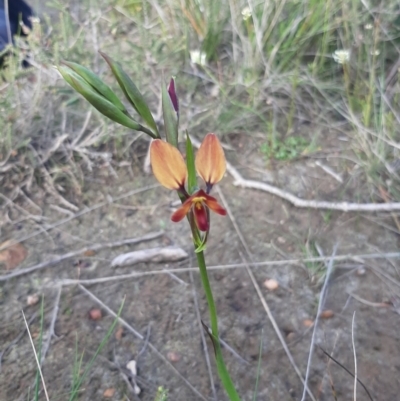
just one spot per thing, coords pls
(169, 167)
(171, 171)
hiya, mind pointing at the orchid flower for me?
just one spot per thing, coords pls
(170, 169)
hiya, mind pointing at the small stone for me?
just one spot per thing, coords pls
(95, 314)
(89, 253)
(308, 323)
(32, 299)
(271, 284)
(173, 356)
(360, 271)
(109, 392)
(326, 314)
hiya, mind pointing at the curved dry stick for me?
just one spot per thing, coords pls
(310, 204)
(302, 203)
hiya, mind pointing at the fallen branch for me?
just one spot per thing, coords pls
(239, 181)
(286, 262)
(310, 204)
(73, 254)
(159, 254)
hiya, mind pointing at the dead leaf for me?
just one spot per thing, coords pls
(109, 392)
(326, 314)
(271, 284)
(13, 254)
(308, 323)
(95, 314)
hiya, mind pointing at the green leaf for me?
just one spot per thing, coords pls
(97, 84)
(221, 367)
(170, 117)
(192, 180)
(132, 93)
(98, 101)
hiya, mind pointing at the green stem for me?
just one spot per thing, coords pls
(222, 371)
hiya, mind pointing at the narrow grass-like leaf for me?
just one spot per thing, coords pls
(258, 368)
(170, 117)
(132, 93)
(97, 84)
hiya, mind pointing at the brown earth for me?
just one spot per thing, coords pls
(273, 230)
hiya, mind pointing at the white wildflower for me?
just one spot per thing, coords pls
(375, 52)
(368, 27)
(198, 57)
(246, 13)
(341, 56)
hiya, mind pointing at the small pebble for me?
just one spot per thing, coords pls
(109, 392)
(95, 314)
(326, 314)
(271, 284)
(32, 299)
(173, 356)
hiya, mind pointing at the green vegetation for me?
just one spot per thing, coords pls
(292, 75)
(288, 149)
(331, 64)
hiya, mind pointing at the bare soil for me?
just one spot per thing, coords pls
(165, 307)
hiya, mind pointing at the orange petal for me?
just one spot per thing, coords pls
(182, 211)
(210, 160)
(168, 165)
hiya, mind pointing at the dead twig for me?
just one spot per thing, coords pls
(355, 356)
(50, 331)
(85, 211)
(49, 186)
(72, 254)
(36, 357)
(311, 204)
(358, 258)
(348, 371)
(302, 203)
(369, 303)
